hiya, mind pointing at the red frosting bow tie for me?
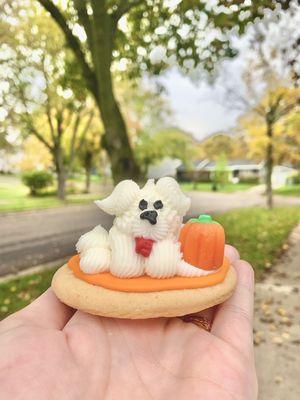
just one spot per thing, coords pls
(143, 246)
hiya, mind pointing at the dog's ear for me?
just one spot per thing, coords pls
(170, 189)
(120, 199)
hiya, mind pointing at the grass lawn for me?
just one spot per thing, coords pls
(291, 190)
(206, 187)
(14, 197)
(259, 234)
(19, 292)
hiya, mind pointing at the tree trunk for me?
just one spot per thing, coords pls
(269, 166)
(115, 139)
(60, 173)
(87, 180)
(61, 185)
(101, 28)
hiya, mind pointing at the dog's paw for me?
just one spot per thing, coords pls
(163, 260)
(95, 260)
(188, 270)
(98, 237)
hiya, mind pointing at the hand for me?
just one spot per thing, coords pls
(50, 352)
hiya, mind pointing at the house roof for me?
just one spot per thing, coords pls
(207, 165)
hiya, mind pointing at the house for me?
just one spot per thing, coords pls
(238, 171)
(166, 167)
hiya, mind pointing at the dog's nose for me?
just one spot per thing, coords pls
(150, 216)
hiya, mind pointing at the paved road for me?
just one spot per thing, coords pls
(36, 237)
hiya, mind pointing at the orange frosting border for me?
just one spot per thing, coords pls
(145, 283)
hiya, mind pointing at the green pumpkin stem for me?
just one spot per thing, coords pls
(203, 218)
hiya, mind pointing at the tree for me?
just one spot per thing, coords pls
(145, 35)
(291, 145)
(232, 146)
(170, 142)
(220, 177)
(35, 156)
(286, 140)
(39, 98)
(88, 153)
(263, 122)
(270, 93)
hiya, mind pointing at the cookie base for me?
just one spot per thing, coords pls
(97, 300)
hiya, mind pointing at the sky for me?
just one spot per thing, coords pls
(198, 109)
(203, 109)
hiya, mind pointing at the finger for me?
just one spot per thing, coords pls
(233, 320)
(82, 319)
(46, 311)
(231, 253)
(86, 329)
(83, 323)
(209, 313)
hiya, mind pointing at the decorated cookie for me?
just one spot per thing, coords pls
(149, 264)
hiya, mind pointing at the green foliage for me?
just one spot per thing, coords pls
(171, 143)
(180, 28)
(207, 187)
(232, 146)
(290, 190)
(36, 181)
(296, 179)
(258, 233)
(251, 180)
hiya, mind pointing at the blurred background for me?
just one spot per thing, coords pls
(205, 91)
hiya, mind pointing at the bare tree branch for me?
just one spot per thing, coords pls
(84, 19)
(124, 7)
(30, 125)
(85, 129)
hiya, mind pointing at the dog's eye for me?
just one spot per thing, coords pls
(158, 204)
(143, 204)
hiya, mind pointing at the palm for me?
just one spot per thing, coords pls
(88, 357)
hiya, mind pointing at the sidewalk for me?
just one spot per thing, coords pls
(277, 327)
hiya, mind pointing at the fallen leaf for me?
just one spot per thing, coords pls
(285, 335)
(273, 328)
(277, 340)
(281, 311)
(278, 379)
(286, 321)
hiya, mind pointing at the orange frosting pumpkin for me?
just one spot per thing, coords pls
(203, 242)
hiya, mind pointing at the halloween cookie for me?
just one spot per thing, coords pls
(149, 264)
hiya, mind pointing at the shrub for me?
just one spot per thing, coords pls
(296, 179)
(252, 179)
(36, 181)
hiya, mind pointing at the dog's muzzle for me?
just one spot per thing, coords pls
(150, 216)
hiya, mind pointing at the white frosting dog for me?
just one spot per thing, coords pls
(144, 235)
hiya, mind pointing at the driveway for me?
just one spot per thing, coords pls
(36, 237)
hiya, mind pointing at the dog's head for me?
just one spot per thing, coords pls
(155, 211)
